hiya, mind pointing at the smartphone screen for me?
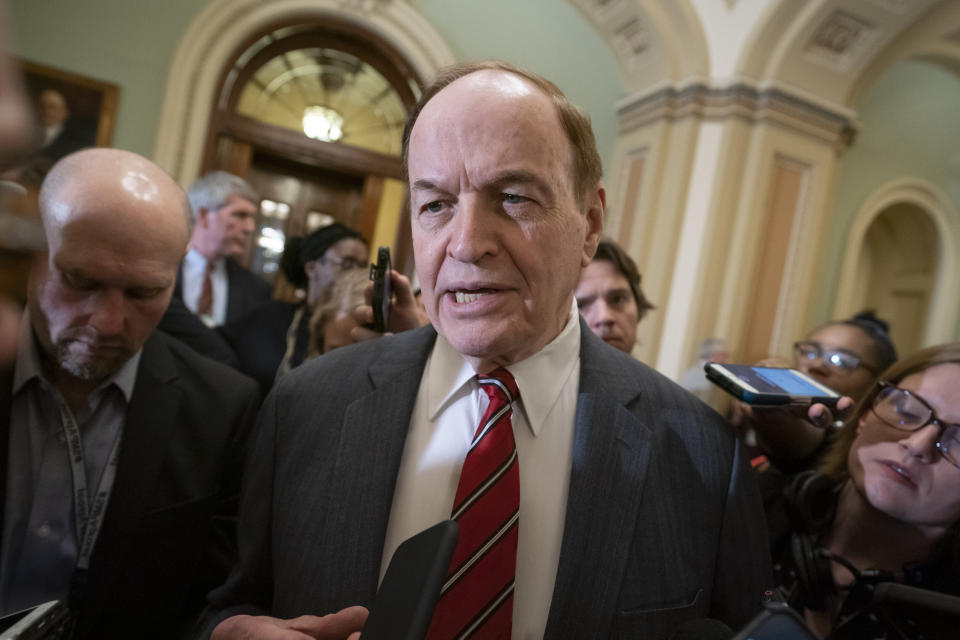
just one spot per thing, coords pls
(770, 385)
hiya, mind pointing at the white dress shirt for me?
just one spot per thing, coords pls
(194, 266)
(447, 411)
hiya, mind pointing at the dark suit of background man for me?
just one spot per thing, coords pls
(635, 511)
(224, 211)
(95, 392)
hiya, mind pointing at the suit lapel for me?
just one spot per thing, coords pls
(373, 435)
(609, 463)
(151, 413)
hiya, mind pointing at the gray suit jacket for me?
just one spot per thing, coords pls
(663, 522)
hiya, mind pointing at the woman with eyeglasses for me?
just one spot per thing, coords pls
(887, 504)
(275, 337)
(845, 355)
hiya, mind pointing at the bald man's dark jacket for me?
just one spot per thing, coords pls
(168, 535)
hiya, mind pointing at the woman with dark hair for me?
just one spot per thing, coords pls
(275, 337)
(845, 355)
(887, 504)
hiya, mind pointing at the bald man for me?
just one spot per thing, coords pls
(119, 446)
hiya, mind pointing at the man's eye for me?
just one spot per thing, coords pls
(512, 198)
(433, 207)
(79, 283)
(144, 294)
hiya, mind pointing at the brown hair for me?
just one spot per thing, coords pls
(587, 167)
(612, 252)
(835, 463)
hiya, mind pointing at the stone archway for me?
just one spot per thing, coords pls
(904, 244)
(216, 33)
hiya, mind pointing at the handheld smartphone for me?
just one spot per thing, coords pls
(380, 274)
(770, 386)
(404, 604)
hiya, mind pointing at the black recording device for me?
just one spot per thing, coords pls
(380, 274)
(408, 594)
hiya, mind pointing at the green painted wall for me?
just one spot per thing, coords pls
(549, 37)
(131, 42)
(127, 42)
(908, 129)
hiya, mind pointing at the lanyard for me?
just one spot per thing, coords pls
(88, 514)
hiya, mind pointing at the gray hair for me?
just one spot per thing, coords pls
(213, 190)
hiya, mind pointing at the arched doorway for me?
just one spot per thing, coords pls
(899, 265)
(902, 258)
(312, 115)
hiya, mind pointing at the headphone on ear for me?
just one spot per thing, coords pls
(811, 503)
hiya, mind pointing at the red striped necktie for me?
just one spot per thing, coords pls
(477, 599)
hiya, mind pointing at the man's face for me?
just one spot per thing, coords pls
(53, 108)
(607, 305)
(499, 234)
(99, 296)
(229, 228)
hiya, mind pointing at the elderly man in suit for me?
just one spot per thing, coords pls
(212, 284)
(595, 498)
(120, 448)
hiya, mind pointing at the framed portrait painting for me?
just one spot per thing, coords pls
(73, 111)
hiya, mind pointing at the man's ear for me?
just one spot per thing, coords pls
(203, 217)
(596, 204)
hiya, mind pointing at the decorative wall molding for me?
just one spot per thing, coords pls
(841, 41)
(623, 25)
(739, 100)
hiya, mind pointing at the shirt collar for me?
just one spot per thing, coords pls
(540, 378)
(196, 260)
(29, 364)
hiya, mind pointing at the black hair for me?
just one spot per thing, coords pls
(878, 331)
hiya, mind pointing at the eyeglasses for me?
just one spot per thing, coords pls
(906, 411)
(837, 359)
(345, 264)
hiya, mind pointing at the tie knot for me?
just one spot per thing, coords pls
(499, 380)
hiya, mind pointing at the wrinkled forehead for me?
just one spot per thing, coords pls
(486, 118)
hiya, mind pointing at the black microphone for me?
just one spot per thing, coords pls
(702, 629)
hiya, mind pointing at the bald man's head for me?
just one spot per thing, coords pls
(117, 229)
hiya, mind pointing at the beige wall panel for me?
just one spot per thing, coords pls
(774, 148)
(782, 207)
(651, 213)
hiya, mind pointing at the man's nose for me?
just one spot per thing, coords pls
(473, 230)
(600, 313)
(109, 312)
